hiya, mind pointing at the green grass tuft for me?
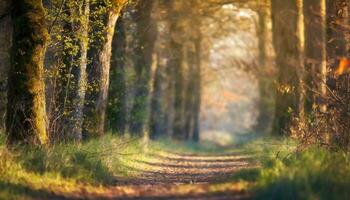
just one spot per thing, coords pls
(314, 173)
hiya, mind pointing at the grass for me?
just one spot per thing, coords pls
(314, 173)
(27, 172)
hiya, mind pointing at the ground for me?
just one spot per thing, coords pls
(122, 168)
(172, 175)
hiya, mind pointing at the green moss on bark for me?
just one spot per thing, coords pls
(26, 120)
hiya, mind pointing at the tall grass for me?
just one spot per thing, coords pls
(312, 173)
(64, 168)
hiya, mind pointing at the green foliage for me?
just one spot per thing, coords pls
(314, 173)
(25, 171)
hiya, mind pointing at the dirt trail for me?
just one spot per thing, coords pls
(181, 176)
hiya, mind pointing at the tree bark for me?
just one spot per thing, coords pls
(26, 119)
(146, 34)
(315, 55)
(73, 77)
(287, 42)
(176, 63)
(117, 100)
(265, 70)
(98, 69)
(190, 92)
(5, 41)
(197, 90)
(157, 128)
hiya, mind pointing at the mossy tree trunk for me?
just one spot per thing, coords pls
(5, 47)
(287, 42)
(26, 119)
(146, 35)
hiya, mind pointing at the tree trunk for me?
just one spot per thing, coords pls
(73, 77)
(5, 41)
(98, 69)
(287, 42)
(157, 128)
(26, 118)
(265, 70)
(190, 92)
(146, 34)
(176, 63)
(79, 73)
(117, 100)
(197, 90)
(315, 55)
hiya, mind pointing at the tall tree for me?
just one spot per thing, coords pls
(287, 39)
(197, 88)
(157, 128)
(176, 64)
(117, 101)
(5, 41)
(26, 118)
(146, 34)
(104, 15)
(193, 82)
(265, 70)
(73, 77)
(315, 54)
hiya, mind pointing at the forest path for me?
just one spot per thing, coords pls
(167, 175)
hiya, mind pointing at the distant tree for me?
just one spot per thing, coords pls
(315, 54)
(176, 64)
(197, 88)
(26, 114)
(266, 70)
(144, 41)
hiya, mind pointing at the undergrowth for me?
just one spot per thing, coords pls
(290, 173)
(65, 168)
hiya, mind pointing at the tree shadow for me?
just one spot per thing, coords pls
(17, 191)
(197, 166)
(208, 159)
(78, 164)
